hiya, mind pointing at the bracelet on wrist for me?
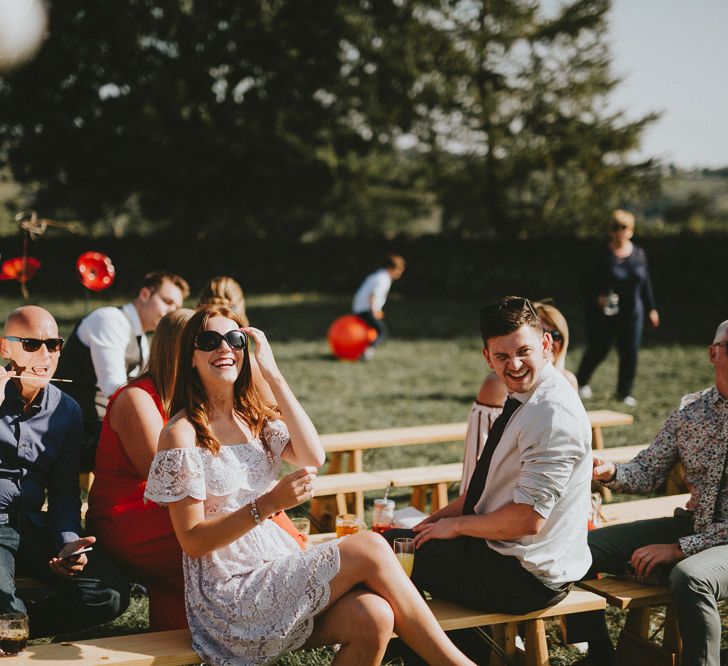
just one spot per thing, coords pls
(254, 513)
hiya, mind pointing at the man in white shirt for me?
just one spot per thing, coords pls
(109, 346)
(369, 299)
(517, 539)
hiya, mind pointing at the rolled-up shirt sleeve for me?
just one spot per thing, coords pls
(548, 453)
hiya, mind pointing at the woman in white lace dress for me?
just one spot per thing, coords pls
(251, 593)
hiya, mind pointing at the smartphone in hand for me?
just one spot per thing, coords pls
(76, 553)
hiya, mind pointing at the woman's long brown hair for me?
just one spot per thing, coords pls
(189, 393)
(164, 355)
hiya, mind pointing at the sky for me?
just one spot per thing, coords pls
(673, 57)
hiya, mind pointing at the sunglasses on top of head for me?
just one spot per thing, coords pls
(34, 344)
(210, 340)
(510, 304)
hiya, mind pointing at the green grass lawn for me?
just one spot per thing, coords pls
(428, 372)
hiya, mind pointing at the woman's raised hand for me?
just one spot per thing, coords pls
(263, 352)
(293, 489)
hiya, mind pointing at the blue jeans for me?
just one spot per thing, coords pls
(98, 595)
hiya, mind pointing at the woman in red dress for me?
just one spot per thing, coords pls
(138, 536)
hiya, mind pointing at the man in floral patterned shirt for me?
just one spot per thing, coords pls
(694, 542)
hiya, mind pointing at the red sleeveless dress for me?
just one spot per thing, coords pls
(138, 537)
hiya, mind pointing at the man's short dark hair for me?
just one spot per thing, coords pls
(154, 280)
(392, 260)
(507, 315)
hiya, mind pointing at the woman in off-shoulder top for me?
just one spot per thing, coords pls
(251, 593)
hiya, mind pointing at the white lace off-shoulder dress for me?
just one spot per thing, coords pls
(255, 599)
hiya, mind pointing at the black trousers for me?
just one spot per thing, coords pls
(467, 572)
(622, 330)
(98, 595)
(377, 324)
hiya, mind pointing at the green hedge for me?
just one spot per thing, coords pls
(690, 272)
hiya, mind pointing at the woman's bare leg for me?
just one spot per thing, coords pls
(367, 559)
(362, 622)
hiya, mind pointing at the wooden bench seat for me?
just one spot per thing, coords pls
(160, 648)
(620, 454)
(173, 647)
(421, 479)
(634, 645)
(339, 485)
(652, 507)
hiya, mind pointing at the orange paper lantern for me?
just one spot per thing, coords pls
(19, 268)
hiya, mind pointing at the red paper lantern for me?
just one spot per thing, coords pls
(19, 268)
(349, 336)
(95, 270)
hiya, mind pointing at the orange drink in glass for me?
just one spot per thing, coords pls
(404, 549)
(348, 523)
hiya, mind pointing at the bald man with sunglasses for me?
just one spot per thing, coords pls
(40, 436)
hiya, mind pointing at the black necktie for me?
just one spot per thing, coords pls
(141, 354)
(480, 473)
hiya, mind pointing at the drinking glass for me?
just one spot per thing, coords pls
(404, 549)
(348, 523)
(13, 633)
(303, 527)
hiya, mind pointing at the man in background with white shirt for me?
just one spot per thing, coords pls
(516, 540)
(109, 346)
(371, 296)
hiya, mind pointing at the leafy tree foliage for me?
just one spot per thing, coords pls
(286, 117)
(525, 142)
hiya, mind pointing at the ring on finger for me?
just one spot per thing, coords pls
(308, 487)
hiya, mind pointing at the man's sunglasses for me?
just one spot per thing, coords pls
(34, 344)
(208, 341)
(507, 305)
(721, 344)
(619, 227)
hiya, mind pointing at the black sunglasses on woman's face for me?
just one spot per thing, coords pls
(208, 341)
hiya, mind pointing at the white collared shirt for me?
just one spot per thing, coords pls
(106, 332)
(373, 292)
(544, 460)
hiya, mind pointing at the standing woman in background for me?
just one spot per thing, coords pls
(139, 536)
(620, 293)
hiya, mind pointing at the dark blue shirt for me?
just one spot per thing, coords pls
(628, 277)
(39, 451)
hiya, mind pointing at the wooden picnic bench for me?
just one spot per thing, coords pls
(431, 478)
(171, 648)
(354, 443)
